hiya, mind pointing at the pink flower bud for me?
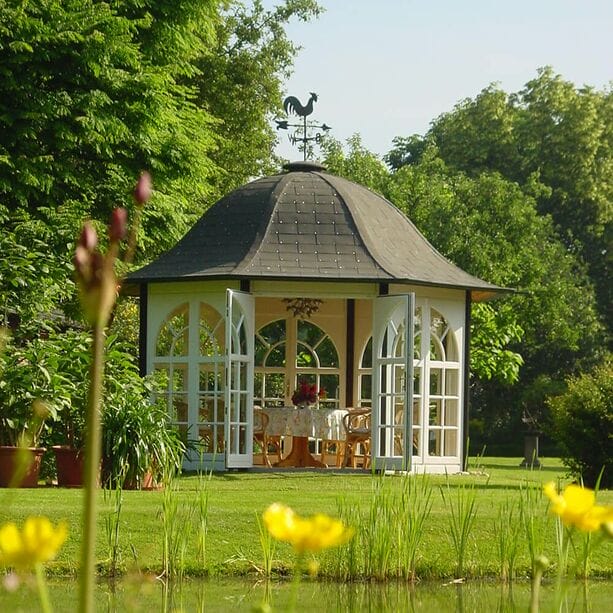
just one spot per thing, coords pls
(82, 260)
(88, 238)
(118, 225)
(142, 191)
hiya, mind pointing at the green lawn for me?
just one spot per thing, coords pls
(235, 499)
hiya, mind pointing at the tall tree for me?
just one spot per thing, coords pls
(240, 82)
(556, 141)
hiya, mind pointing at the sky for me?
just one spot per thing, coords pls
(386, 68)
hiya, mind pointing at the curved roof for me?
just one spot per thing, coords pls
(307, 224)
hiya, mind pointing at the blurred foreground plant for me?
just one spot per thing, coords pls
(30, 548)
(98, 288)
(311, 534)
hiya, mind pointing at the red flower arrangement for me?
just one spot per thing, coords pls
(307, 393)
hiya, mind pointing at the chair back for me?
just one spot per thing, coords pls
(357, 422)
(260, 420)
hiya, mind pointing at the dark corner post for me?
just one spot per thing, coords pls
(245, 286)
(384, 289)
(350, 344)
(142, 329)
(466, 382)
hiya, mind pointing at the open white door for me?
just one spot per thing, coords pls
(240, 309)
(392, 381)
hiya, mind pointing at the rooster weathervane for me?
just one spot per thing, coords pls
(310, 131)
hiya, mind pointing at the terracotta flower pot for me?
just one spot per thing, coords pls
(69, 462)
(20, 467)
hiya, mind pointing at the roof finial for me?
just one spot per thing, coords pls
(292, 105)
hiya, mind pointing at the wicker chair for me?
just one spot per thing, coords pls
(357, 431)
(261, 437)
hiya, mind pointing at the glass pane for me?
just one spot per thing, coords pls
(258, 389)
(434, 442)
(399, 349)
(260, 351)
(417, 347)
(416, 413)
(180, 409)
(435, 412)
(212, 331)
(274, 386)
(305, 358)
(179, 378)
(210, 380)
(206, 412)
(451, 412)
(398, 441)
(276, 357)
(451, 382)
(173, 336)
(436, 349)
(399, 378)
(309, 333)
(416, 440)
(436, 381)
(327, 353)
(330, 384)
(366, 361)
(451, 442)
(272, 333)
(365, 389)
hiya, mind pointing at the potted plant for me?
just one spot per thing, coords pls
(29, 401)
(67, 434)
(138, 444)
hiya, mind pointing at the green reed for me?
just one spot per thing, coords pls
(462, 507)
(112, 524)
(507, 527)
(413, 514)
(175, 522)
(534, 523)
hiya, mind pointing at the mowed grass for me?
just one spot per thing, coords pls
(236, 499)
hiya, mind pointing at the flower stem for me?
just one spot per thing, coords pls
(92, 463)
(41, 584)
(296, 582)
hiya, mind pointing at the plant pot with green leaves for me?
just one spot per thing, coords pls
(29, 400)
(66, 437)
(138, 444)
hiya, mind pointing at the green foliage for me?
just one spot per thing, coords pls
(32, 392)
(240, 82)
(554, 140)
(136, 437)
(583, 424)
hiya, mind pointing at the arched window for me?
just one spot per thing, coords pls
(181, 362)
(443, 388)
(288, 351)
(211, 380)
(171, 365)
(270, 346)
(316, 361)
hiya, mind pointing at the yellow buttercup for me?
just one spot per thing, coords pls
(577, 507)
(305, 534)
(37, 543)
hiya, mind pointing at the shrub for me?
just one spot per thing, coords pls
(583, 424)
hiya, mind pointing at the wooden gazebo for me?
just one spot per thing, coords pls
(389, 327)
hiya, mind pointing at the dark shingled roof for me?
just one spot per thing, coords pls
(307, 224)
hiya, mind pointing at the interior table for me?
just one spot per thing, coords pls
(302, 423)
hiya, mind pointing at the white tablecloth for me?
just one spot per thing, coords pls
(325, 424)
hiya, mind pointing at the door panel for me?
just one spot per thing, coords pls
(240, 308)
(392, 381)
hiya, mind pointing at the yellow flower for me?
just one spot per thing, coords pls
(36, 544)
(305, 534)
(577, 507)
